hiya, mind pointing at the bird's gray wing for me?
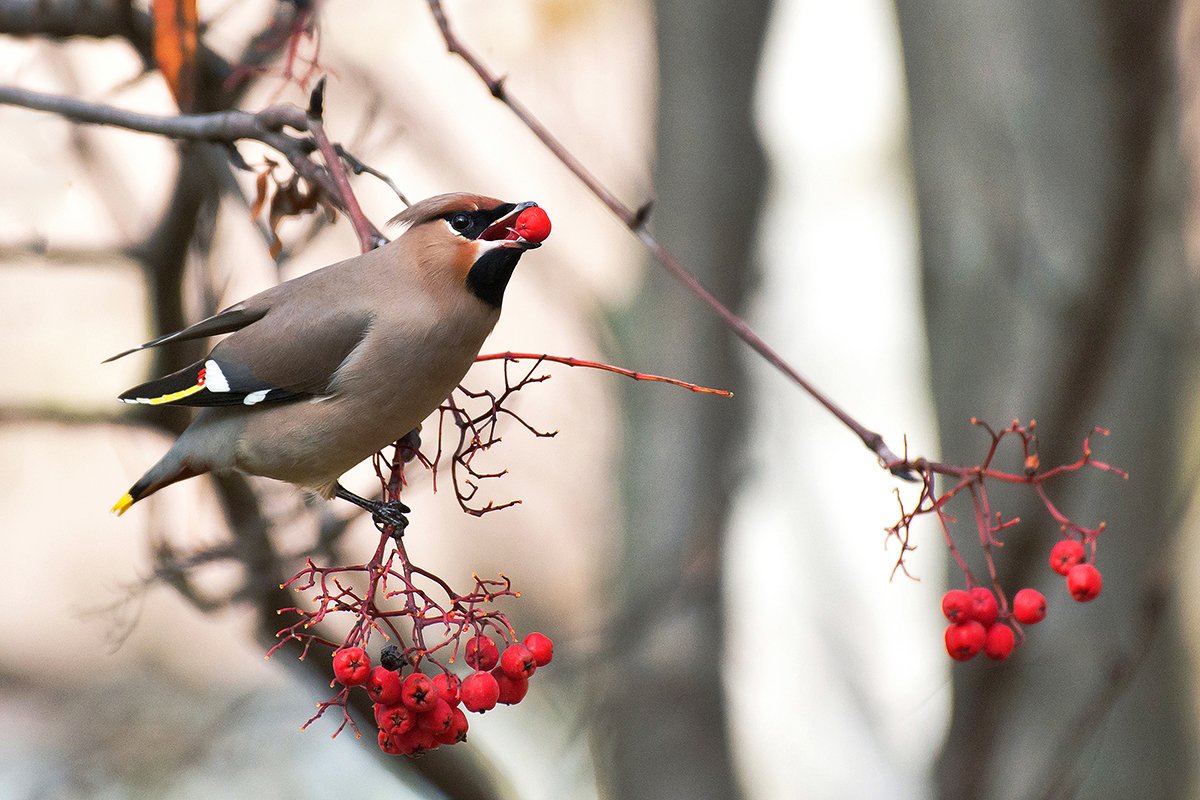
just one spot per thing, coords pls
(231, 319)
(291, 351)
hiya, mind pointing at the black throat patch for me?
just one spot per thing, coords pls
(490, 273)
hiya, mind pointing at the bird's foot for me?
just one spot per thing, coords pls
(391, 513)
(383, 514)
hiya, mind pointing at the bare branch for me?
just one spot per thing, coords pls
(266, 126)
(635, 219)
(580, 362)
(223, 127)
(369, 236)
(358, 168)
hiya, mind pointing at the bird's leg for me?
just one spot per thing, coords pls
(390, 513)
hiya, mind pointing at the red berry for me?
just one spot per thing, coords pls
(417, 741)
(957, 605)
(480, 692)
(518, 662)
(512, 689)
(984, 608)
(351, 666)
(437, 719)
(457, 732)
(391, 744)
(542, 648)
(1066, 554)
(1084, 583)
(384, 686)
(1029, 607)
(999, 642)
(395, 718)
(965, 639)
(418, 692)
(448, 686)
(482, 653)
(532, 225)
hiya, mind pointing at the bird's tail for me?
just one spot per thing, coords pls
(127, 499)
(170, 469)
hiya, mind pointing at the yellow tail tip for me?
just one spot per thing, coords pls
(123, 504)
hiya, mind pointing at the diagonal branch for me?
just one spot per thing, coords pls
(369, 236)
(635, 220)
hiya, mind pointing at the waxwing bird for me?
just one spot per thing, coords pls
(323, 370)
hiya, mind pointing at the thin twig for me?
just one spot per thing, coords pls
(635, 219)
(580, 362)
(358, 168)
(369, 237)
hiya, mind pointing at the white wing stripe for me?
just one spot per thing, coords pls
(214, 379)
(256, 397)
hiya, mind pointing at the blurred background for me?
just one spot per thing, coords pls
(936, 210)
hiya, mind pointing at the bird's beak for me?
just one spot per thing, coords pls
(501, 228)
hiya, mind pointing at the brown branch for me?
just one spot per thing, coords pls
(369, 237)
(223, 127)
(358, 168)
(635, 219)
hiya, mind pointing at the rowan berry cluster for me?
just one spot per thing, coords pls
(979, 623)
(980, 618)
(417, 713)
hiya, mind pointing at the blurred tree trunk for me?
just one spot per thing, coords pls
(1050, 192)
(664, 718)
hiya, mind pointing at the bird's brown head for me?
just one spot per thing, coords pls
(469, 238)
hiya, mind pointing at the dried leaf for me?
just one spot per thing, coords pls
(291, 198)
(260, 193)
(176, 28)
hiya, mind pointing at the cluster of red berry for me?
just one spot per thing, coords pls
(419, 713)
(975, 615)
(1083, 579)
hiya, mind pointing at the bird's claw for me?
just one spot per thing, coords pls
(391, 513)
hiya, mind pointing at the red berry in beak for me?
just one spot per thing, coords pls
(532, 225)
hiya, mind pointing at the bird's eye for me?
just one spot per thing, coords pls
(460, 222)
